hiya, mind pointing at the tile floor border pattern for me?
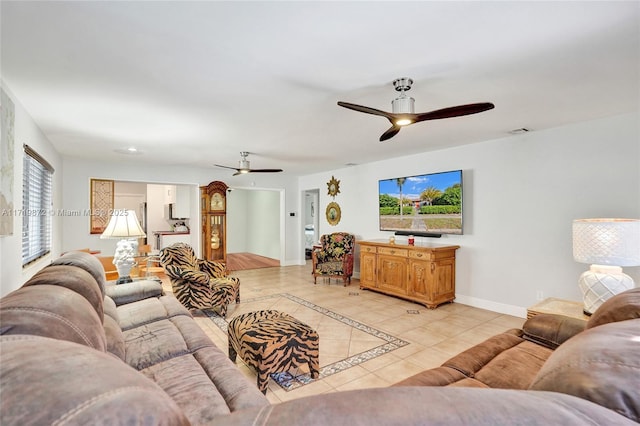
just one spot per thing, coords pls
(289, 382)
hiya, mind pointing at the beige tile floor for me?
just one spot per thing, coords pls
(433, 335)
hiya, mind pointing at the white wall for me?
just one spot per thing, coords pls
(12, 275)
(264, 223)
(78, 171)
(521, 194)
(237, 202)
(253, 222)
(156, 220)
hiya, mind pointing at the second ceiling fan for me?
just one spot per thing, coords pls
(245, 167)
(403, 110)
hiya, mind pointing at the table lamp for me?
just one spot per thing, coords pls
(608, 245)
(124, 225)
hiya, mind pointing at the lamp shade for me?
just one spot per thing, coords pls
(123, 224)
(614, 242)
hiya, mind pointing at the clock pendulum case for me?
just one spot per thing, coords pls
(213, 205)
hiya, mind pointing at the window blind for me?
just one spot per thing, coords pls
(36, 206)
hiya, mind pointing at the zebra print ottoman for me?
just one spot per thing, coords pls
(272, 341)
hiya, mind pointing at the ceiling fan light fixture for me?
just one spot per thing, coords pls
(403, 121)
(403, 104)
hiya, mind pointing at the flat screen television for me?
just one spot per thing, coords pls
(431, 204)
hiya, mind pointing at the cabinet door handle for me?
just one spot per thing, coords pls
(433, 267)
(418, 254)
(393, 252)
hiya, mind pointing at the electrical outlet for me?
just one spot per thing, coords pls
(539, 295)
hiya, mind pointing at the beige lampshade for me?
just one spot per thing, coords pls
(123, 224)
(614, 242)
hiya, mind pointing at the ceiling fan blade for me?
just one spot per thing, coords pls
(226, 167)
(393, 130)
(365, 109)
(265, 170)
(455, 111)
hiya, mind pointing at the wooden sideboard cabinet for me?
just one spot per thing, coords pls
(424, 273)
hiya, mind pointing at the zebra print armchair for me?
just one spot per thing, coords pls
(198, 283)
(334, 257)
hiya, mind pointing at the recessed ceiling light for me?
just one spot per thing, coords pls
(129, 151)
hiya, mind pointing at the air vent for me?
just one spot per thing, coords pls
(519, 131)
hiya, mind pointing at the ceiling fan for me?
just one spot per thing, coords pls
(403, 110)
(245, 167)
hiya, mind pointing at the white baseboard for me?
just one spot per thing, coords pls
(516, 311)
(502, 308)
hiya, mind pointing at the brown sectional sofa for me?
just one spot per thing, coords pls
(597, 360)
(74, 352)
(74, 349)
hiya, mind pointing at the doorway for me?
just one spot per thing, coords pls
(255, 224)
(311, 221)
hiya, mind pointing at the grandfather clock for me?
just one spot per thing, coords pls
(213, 205)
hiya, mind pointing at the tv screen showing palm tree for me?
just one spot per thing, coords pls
(422, 204)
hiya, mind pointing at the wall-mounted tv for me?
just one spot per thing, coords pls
(431, 204)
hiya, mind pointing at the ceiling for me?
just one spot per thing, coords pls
(195, 83)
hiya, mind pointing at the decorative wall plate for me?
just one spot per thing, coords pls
(333, 187)
(333, 213)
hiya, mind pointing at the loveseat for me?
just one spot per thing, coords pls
(145, 361)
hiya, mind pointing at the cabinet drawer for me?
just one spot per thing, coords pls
(367, 249)
(393, 251)
(421, 255)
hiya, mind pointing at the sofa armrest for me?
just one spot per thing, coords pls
(133, 291)
(347, 263)
(551, 330)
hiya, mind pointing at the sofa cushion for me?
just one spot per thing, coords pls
(440, 376)
(52, 311)
(620, 307)
(161, 340)
(133, 291)
(176, 353)
(48, 381)
(147, 311)
(113, 332)
(85, 261)
(110, 309)
(600, 365)
(505, 360)
(502, 361)
(514, 368)
(207, 373)
(76, 279)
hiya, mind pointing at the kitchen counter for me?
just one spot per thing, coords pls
(166, 238)
(171, 232)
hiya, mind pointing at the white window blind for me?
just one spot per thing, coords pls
(36, 206)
